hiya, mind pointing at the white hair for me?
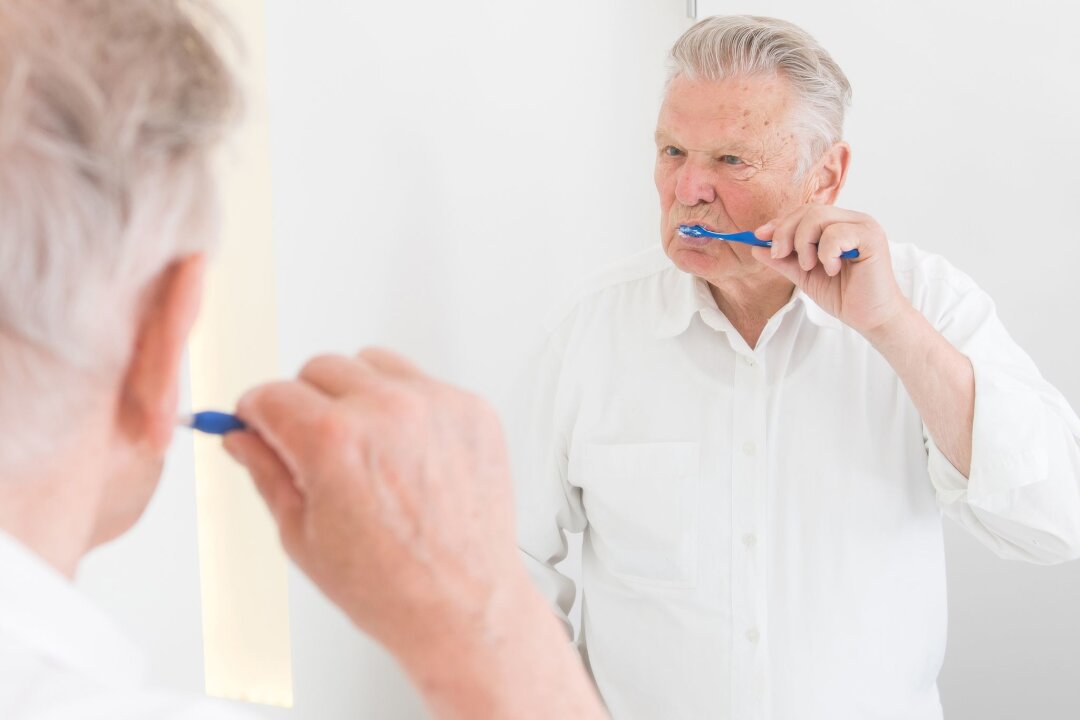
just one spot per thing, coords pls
(742, 45)
(109, 113)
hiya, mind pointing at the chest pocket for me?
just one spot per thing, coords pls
(641, 503)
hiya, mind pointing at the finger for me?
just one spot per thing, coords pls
(836, 239)
(337, 375)
(765, 232)
(807, 237)
(390, 363)
(297, 421)
(815, 222)
(272, 479)
(782, 232)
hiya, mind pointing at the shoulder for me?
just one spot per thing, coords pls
(618, 287)
(113, 704)
(916, 267)
(936, 287)
(44, 690)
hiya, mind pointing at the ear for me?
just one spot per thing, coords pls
(829, 174)
(147, 411)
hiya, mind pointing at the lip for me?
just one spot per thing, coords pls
(692, 241)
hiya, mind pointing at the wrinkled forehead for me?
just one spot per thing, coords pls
(750, 110)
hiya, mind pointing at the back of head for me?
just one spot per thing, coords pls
(109, 113)
(742, 45)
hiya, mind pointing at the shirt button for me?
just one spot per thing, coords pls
(749, 540)
(749, 361)
(749, 448)
(753, 635)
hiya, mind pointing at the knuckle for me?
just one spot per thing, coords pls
(317, 365)
(249, 401)
(263, 398)
(373, 352)
(333, 428)
(332, 432)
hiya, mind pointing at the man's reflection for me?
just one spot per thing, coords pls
(759, 443)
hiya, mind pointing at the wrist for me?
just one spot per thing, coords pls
(490, 662)
(901, 326)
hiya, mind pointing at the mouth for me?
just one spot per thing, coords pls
(690, 239)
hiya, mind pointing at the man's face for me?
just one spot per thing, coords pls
(725, 159)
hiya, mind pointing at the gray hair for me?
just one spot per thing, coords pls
(742, 45)
(109, 113)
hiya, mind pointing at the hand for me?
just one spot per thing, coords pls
(392, 492)
(806, 246)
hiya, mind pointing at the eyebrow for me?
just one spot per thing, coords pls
(728, 148)
(662, 135)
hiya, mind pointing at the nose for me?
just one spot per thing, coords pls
(695, 183)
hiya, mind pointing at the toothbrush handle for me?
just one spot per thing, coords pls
(216, 423)
(846, 255)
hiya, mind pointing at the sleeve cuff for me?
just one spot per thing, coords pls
(1008, 449)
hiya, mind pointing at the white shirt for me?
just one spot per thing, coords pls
(62, 659)
(762, 527)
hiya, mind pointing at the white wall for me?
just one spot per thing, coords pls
(444, 171)
(964, 126)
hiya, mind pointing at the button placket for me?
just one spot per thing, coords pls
(749, 496)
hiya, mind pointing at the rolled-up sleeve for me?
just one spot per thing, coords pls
(1022, 495)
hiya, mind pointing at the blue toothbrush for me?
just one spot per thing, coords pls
(747, 237)
(212, 422)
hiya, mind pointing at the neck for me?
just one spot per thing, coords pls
(51, 511)
(750, 300)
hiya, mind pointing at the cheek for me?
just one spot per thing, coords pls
(665, 185)
(751, 204)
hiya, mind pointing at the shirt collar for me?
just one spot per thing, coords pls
(686, 295)
(44, 612)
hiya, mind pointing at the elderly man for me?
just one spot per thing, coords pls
(109, 111)
(759, 443)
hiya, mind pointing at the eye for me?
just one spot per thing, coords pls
(731, 160)
(671, 151)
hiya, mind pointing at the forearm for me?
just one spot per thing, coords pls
(517, 664)
(938, 377)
